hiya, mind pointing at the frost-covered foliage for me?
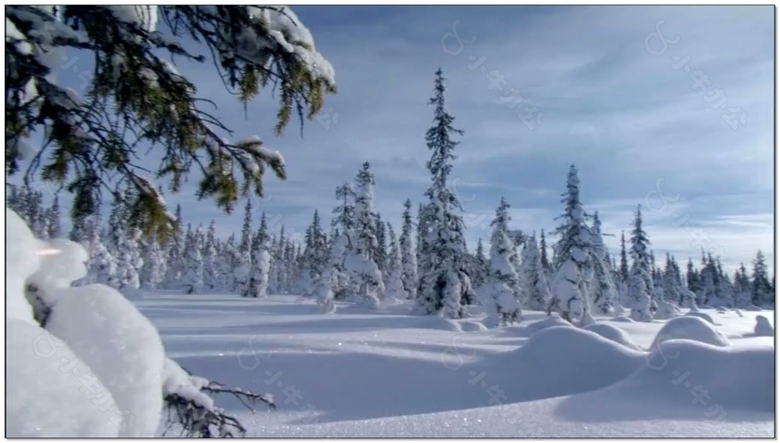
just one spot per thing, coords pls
(535, 287)
(190, 408)
(85, 362)
(443, 283)
(136, 97)
(573, 251)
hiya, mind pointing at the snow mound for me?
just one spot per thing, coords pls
(723, 372)
(472, 326)
(22, 260)
(440, 323)
(721, 309)
(690, 328)
(622, 319)
(46, 388)
(564, 360)
(701, 315)
(120, 345)
(763, 327)
(613, 333)
(753, 308)
(551, 322)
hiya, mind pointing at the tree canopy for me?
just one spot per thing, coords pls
(137, 103)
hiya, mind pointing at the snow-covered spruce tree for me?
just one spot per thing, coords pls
(314, 256)
(154, 264)
(261, 267)
(333, 282)
(603, 294)
(480, 266)
(364, 272)
(763, 294)
(572, 251)
(742, 288)
(408, 251)
(443, 280)
(535, 287)
(394, 289)
(136, 90)
(546, 265)
(53, 222)
(101, 266)
(192, 279)
(174, 250)
(640, 283)
(380, 253)
(500, 293)
(228, 262)
(211, 271)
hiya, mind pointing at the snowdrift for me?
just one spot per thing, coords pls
(562, 361)
(688, 380)
(615, 334)
(691, 328)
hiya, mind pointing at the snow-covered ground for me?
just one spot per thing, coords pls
(389, 374)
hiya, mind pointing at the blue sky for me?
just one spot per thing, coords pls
(623, 115)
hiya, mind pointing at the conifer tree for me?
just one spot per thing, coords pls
(572, 251)
(211, 271)
(533, 277)
(394, 290)
(443, 280)
(640, 283)
(501, 291)
(53, 225)
(408, 252)
(143, 101)
(603, 294)
(763, 294)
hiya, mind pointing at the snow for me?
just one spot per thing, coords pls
(143, 16)
(22, 261)
(46, 396)
(690, 328)
(120, 345)
(701, 315)
(611, 332)
(763, 327)
(551, 376)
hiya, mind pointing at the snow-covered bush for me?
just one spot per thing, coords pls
(689, 328)
(85, 362)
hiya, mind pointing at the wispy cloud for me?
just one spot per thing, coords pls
(623, 115)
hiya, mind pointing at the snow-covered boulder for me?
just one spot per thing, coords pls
(622, 319)
(763, 328)
(613, 333)
(689, 328)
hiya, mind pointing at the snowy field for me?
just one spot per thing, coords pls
(388, 374)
